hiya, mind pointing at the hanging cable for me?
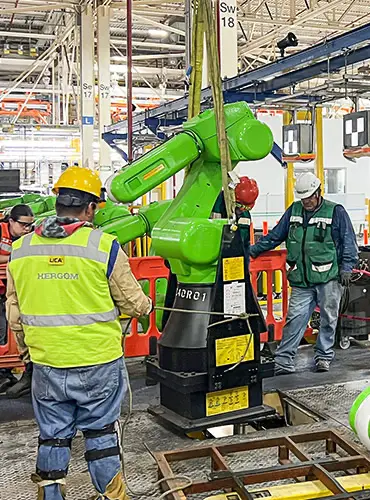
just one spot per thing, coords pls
(152, 489)
(197, 50)
(211, 30)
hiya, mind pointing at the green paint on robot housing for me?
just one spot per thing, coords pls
(356, 405)
(183, 233)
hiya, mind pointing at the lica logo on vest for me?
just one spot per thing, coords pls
(57, 276)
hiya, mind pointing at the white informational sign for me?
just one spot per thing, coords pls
(104, 101)
(229, 38)
(87, 87)
(234, 298)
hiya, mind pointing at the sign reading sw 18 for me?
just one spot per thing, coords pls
(228, 21)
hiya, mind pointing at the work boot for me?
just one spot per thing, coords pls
(116, 490)
(23, 385)
(281, 370)
(322, 365)
(7, 379)
(58, 487)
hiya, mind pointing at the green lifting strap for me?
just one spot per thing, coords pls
(205, 22)
(211, 29)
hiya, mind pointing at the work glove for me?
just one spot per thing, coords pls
(252, 252)
(345, 278)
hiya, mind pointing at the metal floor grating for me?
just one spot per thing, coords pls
(18, 442)
(334, 400)
(18, 453)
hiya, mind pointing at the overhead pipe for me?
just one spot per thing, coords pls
(40, 7)
(26, 34)
(129, 81)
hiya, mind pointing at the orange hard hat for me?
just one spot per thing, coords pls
(246, 192)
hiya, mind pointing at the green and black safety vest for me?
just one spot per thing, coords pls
(312, 256)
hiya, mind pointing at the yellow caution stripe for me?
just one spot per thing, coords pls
(303, 491)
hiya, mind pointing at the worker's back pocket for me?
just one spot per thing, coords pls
(41, 387)
(100, 381)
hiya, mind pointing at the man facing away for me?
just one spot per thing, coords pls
(65, 282)
(322, 251)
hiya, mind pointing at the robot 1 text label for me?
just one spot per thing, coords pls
(191, 294)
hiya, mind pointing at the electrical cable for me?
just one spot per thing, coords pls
(246, 349)
(122, 427)
(211, 313)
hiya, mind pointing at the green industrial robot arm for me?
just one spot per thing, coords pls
(118, 220)
(184, 234)
(139, 178)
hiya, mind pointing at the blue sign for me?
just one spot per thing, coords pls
(87, 120)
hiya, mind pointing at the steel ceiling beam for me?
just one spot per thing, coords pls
(333, 26)
(315, 70)
(34, 8)
(284, 72)
(298, 21)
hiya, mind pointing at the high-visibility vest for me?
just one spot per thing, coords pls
(5, 239)
(67, 313)
(312, 255)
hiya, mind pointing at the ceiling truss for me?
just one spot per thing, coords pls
(160, 60)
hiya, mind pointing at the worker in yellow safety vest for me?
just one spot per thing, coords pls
(67, 284)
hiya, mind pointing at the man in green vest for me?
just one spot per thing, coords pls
(67, 284)
(322, 251)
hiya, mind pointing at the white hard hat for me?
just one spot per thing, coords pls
(306, 185)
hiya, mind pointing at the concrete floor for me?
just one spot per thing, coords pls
(330, 394)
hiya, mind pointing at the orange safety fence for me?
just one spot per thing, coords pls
(270, 263)
(136, 344)
(150, 269)
(9, 357)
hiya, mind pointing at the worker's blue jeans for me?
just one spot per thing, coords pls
(86, 398)
(301, 305)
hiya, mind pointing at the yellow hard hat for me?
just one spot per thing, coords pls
(82, 179)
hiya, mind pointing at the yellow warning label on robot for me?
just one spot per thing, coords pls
(153, 172)
(233, 268)
(225, 401)
(234, 350)
(57, 260)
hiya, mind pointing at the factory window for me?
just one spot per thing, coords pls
(335, 178)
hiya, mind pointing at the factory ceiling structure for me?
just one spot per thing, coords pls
(30, 30)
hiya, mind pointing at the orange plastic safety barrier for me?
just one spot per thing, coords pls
(9, 357)
(150, 269)
(269, 263)
(366, 236)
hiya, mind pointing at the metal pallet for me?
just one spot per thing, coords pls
(294, 463)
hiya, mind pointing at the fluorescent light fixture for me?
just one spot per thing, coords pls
(118, 68)
(118, 59)
(157, 33)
